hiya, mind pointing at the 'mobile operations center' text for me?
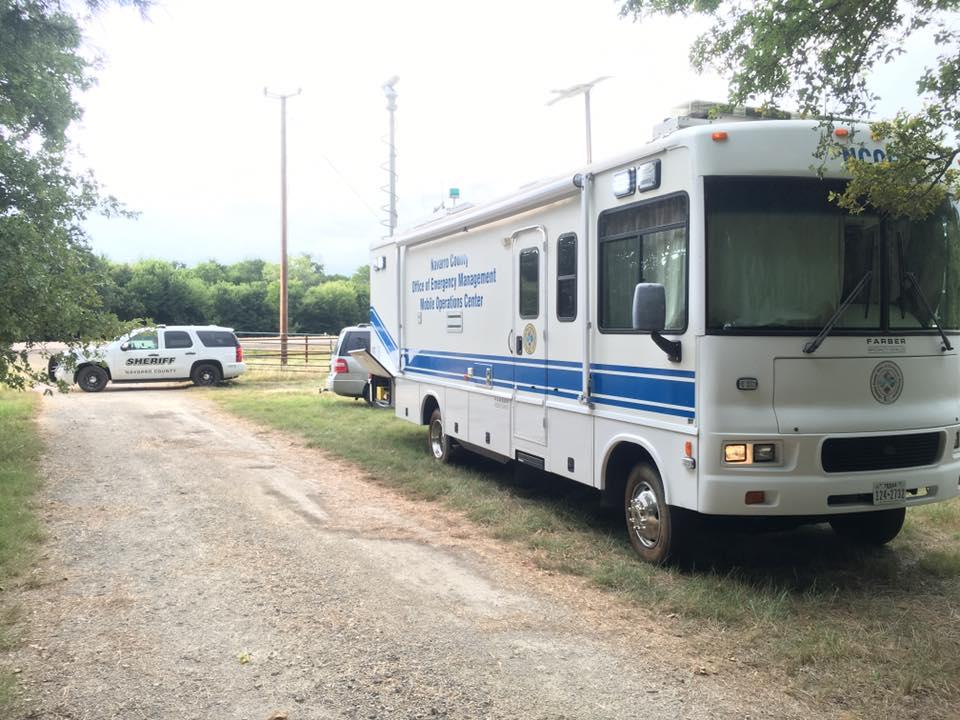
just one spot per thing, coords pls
(447, 286)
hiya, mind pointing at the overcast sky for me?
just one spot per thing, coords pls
(178, 127)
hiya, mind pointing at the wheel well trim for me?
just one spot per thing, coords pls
(196, 363)
(88, 363)
(621, 439)
(428, 397)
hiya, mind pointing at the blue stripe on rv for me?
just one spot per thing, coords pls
(385, 338)
(630, 387)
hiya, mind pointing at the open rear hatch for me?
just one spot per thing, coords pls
(369, 363)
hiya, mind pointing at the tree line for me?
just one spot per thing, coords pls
(244, 295)
(813, 56)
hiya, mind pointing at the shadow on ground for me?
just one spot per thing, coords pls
(807, 559)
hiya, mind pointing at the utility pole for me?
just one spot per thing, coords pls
(390, 91)
(283, 216)
(581, 89)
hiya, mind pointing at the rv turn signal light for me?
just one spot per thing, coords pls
(719, 136)
(755, 497)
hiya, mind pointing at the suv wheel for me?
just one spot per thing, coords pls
(92, 378)
(206, 374)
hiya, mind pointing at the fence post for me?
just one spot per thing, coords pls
(306, 349)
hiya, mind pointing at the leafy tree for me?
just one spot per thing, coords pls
(243, 306)
(303, 273)
(817, 56)
(48, 287)
(361, 285)
(329, 307)
(244, 295)
(247, 271)
(168, 294)
(210, 272)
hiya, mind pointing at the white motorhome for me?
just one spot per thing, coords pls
(690, 328)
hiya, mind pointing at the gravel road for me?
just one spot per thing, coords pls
(199, 567)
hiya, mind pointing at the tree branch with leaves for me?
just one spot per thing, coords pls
(817, 57)
(48, 287)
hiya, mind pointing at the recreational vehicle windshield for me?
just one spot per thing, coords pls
(693, 328)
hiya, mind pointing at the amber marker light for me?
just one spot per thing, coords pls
(755, 497)
(841, 132)
(719, 136)
(688, 448)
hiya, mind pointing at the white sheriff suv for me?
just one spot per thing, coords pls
(205, 354)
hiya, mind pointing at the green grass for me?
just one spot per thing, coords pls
(871, 631)
(19, 529)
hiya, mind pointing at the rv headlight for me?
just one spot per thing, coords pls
(764, 453)
(735, 453)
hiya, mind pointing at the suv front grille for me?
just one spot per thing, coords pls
(885, 452)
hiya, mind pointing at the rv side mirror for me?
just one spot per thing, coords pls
(649, 307)
(650, 315)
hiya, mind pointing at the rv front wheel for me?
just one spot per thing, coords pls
(438, 442)
(653, 526)
(875, 528)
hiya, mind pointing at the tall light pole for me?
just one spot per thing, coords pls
(282, 97)
(390, 91)
(581, 89)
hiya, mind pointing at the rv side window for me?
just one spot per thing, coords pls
(567, 278)
(643, 243)
(529, 283)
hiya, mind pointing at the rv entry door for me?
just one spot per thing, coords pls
(529, 344)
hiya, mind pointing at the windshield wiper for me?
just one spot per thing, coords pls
(811, 346)
(926, 306)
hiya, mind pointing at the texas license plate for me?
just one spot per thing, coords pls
(889, 492)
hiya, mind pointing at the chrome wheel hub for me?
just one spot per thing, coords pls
(643, 515)
(436, 439)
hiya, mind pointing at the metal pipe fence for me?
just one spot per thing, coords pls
(302, 352)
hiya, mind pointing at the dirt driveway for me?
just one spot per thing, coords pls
(197, 567)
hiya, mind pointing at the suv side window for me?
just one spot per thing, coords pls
(146, 340)
(355, 340)
(174, 339)
(217, 338)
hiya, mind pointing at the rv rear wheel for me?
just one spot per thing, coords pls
(656, 530)
(438, 442)
(875, 528)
